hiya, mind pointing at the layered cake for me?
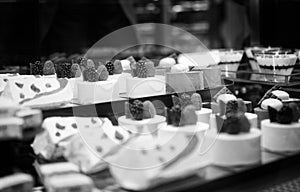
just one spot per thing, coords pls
(203, 114)
(140, 117)
(36, 92)
(279, 64)
(230, 61)
(236, 142)
(96, 87)
(252, 51)
(281, 133)
(144, 82)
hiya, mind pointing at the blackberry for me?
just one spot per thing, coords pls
(64, 70)
(137, 109)
(285, 115)
(141, 70)
(36, 68)
(90, 75)
(48, 68)
(231, 108)
(110, 67)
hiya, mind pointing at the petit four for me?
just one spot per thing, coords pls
(281, 133)
(16, 182)
(237, 142)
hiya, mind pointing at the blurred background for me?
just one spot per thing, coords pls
(31, 29)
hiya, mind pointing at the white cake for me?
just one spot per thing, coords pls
(280, 137)
(16, 182)
(121, 80)
(142, 126)
(96, 92)
(204, 115)
(32, 117)
(53, 169)
(237, 150)
(69, 183)
(8, 107)
(145, 158)
(11, 128)
(36, 92)
(143, 87)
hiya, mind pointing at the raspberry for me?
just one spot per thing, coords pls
(141, 70)
(103, 73)
(75, 70)
(150, 68)
(197, 101)
(90, 75)
(48, 68)
(136, 110)
(83, 62)
(90, 64)
(117, 67)
(110, 67)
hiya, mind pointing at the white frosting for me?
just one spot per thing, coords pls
(167, 62)
(145, 158)
(16, 179)
(7, 107)
(234, 150)
(95, 92)
(50, 169)
(125, 64)
(121, 80)
(36, 99)
(204, 115)
(275, 103)
(11, 127)
(226, 97)
(143, 126)
(231, 56)
(276, 60)
(281, 94)
(180, 68)
(143, 87)
(280, 137)
(69, 182)
(31, 117)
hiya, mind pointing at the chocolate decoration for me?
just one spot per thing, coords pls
(48, 85)
(20, 85)
(272, 114)
(285, 115)
(57, 134)
(93, 121)
(288, 114)
(74, 125)
(34, 88)
(99, 149)
(22, 96)
(119, 136)
(58, 126)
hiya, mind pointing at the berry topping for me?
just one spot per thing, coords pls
(110, 67)
(137, 110)
(36, 68)
(90, 75)
(49, 68)
(231, 108)
(20, 85)
(150, 68)
(118, 69)
(132, 66)
(103, 73)
(34, 88)
(141, 70)
(185, 100)
(90, 64)
(174, 115)
(75, 70)
(83, 62)
(196, 101)
(64, 70)
(189, 116)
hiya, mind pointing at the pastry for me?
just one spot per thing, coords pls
(230, 61)
(237, 142)
(281, 132)
(16, 182)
